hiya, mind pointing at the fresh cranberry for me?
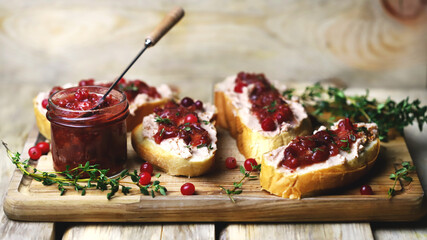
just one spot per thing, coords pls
(366, 190)
(144, 178)
(230, 162)
(34, 153)
(186, 102)
(43, 146)
(44, 103)
(268, 124)
(199, 105)
(191, 118)
(249, 164)
(188, 189)
(239, 87)
(146, 167)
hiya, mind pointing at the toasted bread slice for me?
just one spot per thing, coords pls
(173, 155)
(336, 171)
(234, 114)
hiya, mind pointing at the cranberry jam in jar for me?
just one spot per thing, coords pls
(80, 134)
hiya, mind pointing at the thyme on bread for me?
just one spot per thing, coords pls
(387, 115)
(71, 178)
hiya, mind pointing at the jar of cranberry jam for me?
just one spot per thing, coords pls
(80, 134)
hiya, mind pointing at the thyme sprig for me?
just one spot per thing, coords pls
(401, 173)
(237, 189)
(72, 178)
(387, 115)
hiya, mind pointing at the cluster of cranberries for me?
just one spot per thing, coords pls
(303, 151)
(146, 171)
(82, 99)
(181, 120)
(267, 103)
(130, 88)
(249, 163)
(37, 151)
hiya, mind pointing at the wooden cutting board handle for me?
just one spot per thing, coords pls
(165, 25)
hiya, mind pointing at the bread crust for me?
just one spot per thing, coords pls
(251, 143)
(171, 163)
(41, 121)
(296, 185)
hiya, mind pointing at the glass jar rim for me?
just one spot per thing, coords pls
(74, 89)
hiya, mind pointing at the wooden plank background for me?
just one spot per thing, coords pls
(356, 41)
(45, 43)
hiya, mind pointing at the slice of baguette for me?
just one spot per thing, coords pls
(172, 155)
(139, 108)
(251, 142)
(335, 172)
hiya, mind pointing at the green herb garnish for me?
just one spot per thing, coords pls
(237, 189)
(386, 115)
(159, 119)
(401, 173)
(71, 178)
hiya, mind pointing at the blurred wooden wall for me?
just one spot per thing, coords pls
(358, 42)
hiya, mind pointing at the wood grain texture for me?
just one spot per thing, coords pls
(348, 231)
(210, 204)
(304, 40)
(135, 231)
(10, 229)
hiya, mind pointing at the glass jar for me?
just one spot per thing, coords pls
(98, 136)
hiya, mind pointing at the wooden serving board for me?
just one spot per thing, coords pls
(29, 200)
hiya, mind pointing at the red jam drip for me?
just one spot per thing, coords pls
(176, 120)
(267, 103)
(83, 100)
(130, 88)
(307, 150)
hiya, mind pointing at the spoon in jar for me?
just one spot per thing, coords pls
(161, 29)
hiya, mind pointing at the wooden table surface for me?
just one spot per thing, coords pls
(44, 44)
(17, 120)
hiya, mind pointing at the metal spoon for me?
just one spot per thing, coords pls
(161, 29)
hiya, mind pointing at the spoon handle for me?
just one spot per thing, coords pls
(165, 25)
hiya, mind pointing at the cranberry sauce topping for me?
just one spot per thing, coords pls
(307, 150)
(82, 99)
(130, 88)
(267, 103)
(181, 120)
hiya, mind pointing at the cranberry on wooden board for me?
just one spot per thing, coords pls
(43, 146)
(188, 189)
(366, 190)
(249, 163)
(230, 163)
(146, 167)
(144, 178)
(34, 153)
